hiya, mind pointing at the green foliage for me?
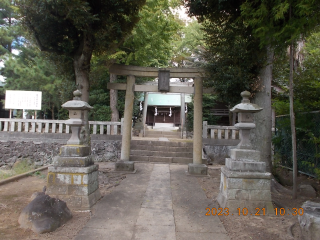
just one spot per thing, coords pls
(233, 60)
(279, 22)
(9, 27)
(32, 70)
(190, 46)
(208, 103)
(62, 26)
(307, 79)
(308, 139)
(150, 43)
(19, 167)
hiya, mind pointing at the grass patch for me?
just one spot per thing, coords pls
(18, 168)
(39, 175)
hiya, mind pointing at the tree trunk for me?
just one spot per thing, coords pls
(81, 64)
(113, 102)
(293, 126)
(261, 135)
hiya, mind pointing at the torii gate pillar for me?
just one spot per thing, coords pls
(124, 164)
(197, 168)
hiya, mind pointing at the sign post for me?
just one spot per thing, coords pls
(29, 100)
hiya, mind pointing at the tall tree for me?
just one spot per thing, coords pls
(281, 23)
(77, 28)
(269, 22)
(9, 26)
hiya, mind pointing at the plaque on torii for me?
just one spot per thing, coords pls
(164, 80)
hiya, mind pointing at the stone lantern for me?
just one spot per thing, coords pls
(244, 180)
(245, 111)
(73, 177)
(76, 109)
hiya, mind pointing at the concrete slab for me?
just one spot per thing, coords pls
(190, 209)
(200, 236)
(155, 232)
(102, 234)
(153, 203)
(158, 202)
(155, 217)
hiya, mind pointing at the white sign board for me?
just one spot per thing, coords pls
(30, 100)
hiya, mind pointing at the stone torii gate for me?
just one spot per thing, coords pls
(164, 75)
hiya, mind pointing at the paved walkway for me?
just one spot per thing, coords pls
(158, 202)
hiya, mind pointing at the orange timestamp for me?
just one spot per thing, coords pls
(257, 212)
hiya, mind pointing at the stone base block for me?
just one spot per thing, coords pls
(197, 169)
(78, 186)
(81, 202)
(124, 166)
(72, 161)
(74, 151)
(246, 207)
(244, 154)
(245, 165)
(238, 191)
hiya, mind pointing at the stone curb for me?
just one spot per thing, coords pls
(14, 178)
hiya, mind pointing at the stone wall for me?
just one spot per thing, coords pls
(42, 153)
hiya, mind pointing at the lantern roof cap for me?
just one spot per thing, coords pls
(246, 106)
(76, 103)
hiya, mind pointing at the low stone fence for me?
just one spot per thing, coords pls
(56, 126)
(218, 140)
(225, 135)
(43, 130)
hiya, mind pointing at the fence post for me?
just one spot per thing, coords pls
(122, 121)
(205, 129)
(12, 126)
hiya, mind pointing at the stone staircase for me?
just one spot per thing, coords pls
(161, 151)
(162, 134)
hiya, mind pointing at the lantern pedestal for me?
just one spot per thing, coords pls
(73, 177)
(245, 185)
(77, 186)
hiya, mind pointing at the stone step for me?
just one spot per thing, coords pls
(181, 160)
(161, 143)
(162, 148)
(161, 153)
(166, 134)
(173, 133)
(163, 136)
